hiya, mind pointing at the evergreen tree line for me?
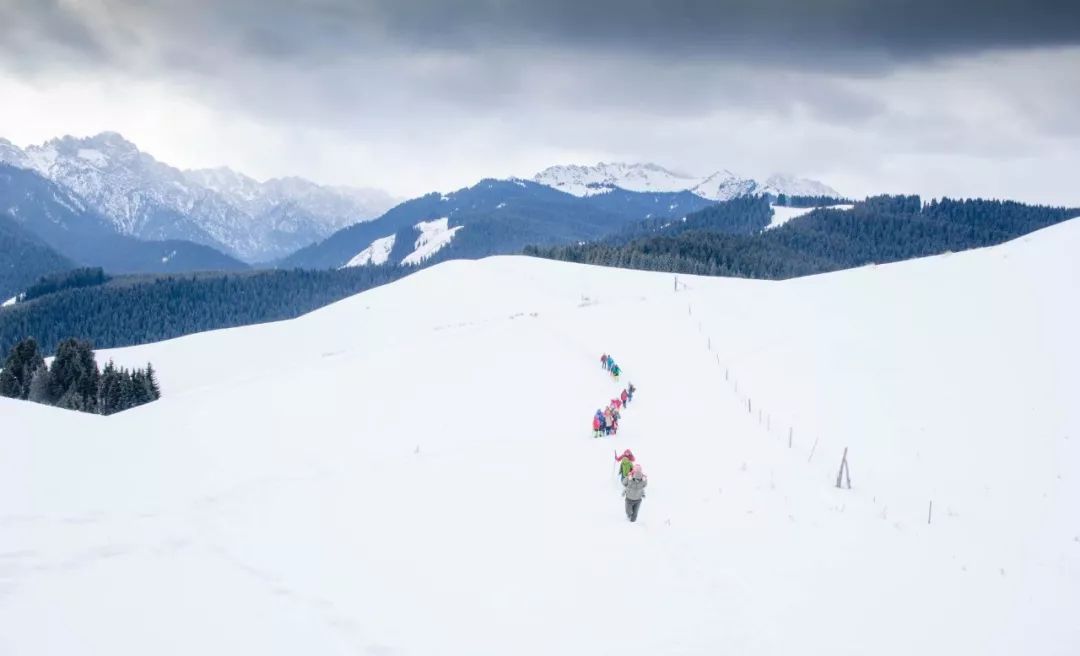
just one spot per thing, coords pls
(785, 200)
(878, 230)
(74, 381)
(746, 215)
(139, 309)
(73, 279)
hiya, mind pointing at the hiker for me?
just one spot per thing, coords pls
(624, 397)
(597, 425)
(616, 403)
(604, 361)
(626, 463)
(615, 371)
(630, 389)
(610, 363)
(634, 491)
(608, 421)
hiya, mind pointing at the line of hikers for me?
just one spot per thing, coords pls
(633, 481)
(608, 363)
(606, 421)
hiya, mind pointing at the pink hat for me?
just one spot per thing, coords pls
(636, 471)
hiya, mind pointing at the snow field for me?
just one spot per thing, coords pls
(411, 471)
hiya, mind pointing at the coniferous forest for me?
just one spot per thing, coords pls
(139, 309)
(73, 381)
(878, 230)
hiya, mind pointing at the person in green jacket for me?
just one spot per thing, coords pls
(626, 463)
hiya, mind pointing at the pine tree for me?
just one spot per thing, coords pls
(19, 367)
(75, 370)
(39, 386)
(155, 391)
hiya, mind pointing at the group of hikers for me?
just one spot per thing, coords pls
(606, 422)
(608, 363)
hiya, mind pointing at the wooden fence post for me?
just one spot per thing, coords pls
(812, 449)
(844, 472)
(790, 433)
(930, 511)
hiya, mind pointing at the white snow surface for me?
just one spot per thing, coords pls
(782, 215)
(719, 186)
(377, 253)
(433, 236)
(417, 477)
(11, 301)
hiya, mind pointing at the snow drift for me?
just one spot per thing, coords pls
(409, 471)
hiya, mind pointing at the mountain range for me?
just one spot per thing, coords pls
(49, 228)
(147, 199)
(718, 186)
(101, 201)
(560, 205)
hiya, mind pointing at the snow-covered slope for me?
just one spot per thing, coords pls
(222, 208)
(377, 253)
(721, 185)
(433, 236)
(782, 215)
(417, 476)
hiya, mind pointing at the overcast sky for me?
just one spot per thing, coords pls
(930, 96)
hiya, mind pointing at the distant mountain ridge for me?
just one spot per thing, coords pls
(66, 223)
(718, 186)
(492, 217)
(221, 208)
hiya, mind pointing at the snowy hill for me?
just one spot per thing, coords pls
(417, 476)
(718, 186)
(221, 208)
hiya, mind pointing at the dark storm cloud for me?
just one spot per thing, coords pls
(802, 33)
(33, 29)
(899, 28)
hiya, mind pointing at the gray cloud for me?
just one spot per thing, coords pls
(436, 93)
(849, 34)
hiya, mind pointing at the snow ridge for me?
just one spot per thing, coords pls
(719, 186)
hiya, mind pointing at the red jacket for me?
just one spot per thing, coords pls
(621, 456)
(623, 396)
(596, 423)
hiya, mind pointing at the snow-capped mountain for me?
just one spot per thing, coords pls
(793, 186)
(335, 207)
(724, 185)
(499, 217)
(718, 186)
(221, 208)
(590, 180)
